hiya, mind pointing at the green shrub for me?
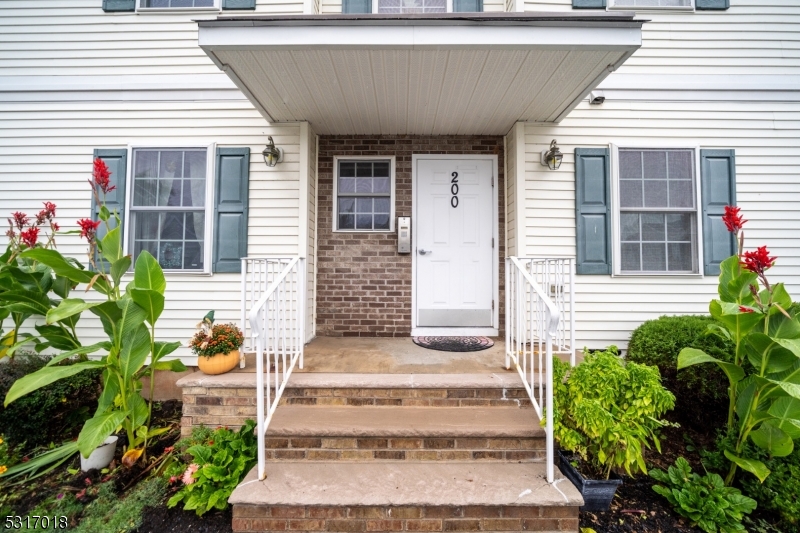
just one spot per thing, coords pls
(658, 342)
(780, 492)
(705, 500)
(607, 410)
(50, 414)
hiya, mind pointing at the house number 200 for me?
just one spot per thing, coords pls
(454, 189)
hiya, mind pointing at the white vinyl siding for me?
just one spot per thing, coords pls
(46, 155)
(766, 138)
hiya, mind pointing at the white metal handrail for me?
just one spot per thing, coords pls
(277, 321)
(532, 326)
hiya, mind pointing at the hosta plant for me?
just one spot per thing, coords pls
(128, 315)
(705, 500)
(608, 411)
(764, 377)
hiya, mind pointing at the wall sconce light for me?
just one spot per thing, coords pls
(552, 158)
(272, 155)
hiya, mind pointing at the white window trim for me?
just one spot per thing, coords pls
(449, 6)
(335, 200)
(139, 9)
(209, 208)
(611, 5)
(616, 243)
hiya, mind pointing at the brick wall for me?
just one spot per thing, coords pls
(363, 284)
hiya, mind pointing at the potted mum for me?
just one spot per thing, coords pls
(216, 345)
(606, 413)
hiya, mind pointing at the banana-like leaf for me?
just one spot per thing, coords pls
(764, 351)
(787, 415)
(791, 389)
(64, 267)
(12, 349)
(110, 315)
(151, 301)
(780, 296)
(772, 439)
(111, 245)
(693, 356)
(738, 323)
(62, 286)
(148, 273)
(27, 302)
(45, 376)
(97, 429)
(110, 391)
(78, 351)
(138, 408)
(781, 326)
(132, 316)
(133, 352)
(33, 281)
(67, 308)
(41, 464)
(755, 467)
(120, 267)
(58, 338)
(164, 348)
(173, 365)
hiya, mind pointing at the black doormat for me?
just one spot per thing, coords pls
(454, 344)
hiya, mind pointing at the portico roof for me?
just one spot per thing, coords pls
(451, 73)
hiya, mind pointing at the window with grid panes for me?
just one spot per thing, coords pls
(652, 4)
(172, 4)
(657, 211)
(168, 206)
(412, 6)
(363, 195)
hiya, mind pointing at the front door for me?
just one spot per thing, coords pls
(454, 242)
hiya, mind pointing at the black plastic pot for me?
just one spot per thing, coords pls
(597, 493)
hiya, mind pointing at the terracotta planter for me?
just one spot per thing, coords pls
(597, 493)
(218, 364)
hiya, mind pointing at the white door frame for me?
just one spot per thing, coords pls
(455, 331)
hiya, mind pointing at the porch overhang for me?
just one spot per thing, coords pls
(419, 74)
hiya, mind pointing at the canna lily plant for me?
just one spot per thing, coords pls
(764, 377)
(128, 315)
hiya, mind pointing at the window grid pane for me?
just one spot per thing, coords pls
(652, 3)
(176, 3)
(169, 186)
(412, 6)
(657, 242)
(657, 179)
(363, 195)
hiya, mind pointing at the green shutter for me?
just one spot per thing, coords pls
(356, 6)
(117, 162)
(238, 4)
(116, 6)
(588, 4)
(230, 209)
(593, 211)
(467, 6)
(718, 188)
(709, 5)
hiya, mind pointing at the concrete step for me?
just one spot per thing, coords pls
(229, 399)
(405, 496)
(408, 433)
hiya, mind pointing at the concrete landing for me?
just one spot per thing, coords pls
(405, 484)
(415, 422)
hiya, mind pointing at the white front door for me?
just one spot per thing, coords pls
(454, 242)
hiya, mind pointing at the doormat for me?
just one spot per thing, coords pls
(454, 344)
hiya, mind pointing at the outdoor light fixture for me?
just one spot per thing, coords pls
(552, 158)
(272, 155)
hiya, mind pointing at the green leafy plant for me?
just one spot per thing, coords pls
(780, 492)
(608, 411)
(705, 500)
(764, 377)
(128, 316)
(219, 461)
(211, 340)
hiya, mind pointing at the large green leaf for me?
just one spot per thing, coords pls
(780, 296)
(42, 463)
(755, 467)
(151, 301)
(37, 281)
(67, 308)
(734, 282)
(45, 376)
(132, 316)
(62, 286)
(133, 352)
(120, 267)
(173, 365)
(26, 302)
(110, 391)
(97, 429)
(110, 315)
(787, 415)
(58, 337)
(77, 351)
(772, 439)
(63, 267)
(783, 327)
(693, 356)
(791, 389)
(111, 245)
(768, 353)
(148, 273)
(737, 322)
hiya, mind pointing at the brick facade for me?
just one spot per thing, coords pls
(363, 284)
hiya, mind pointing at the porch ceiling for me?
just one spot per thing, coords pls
(412, 74)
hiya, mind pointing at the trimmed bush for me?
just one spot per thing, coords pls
(701, 392)
(51, 414)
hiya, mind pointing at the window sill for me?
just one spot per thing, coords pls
(367, 231)
(157, 10)
(652, 9)
(658, 275)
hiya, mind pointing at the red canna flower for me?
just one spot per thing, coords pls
(758, 261)
(732, 219)
(56, 227)
(48, 213)
(102, 176)
(20, 219)
(88, 228)
(743, 309)
(29, 236)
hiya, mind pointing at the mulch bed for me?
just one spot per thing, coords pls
(175, 520)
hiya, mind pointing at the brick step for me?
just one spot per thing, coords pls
(404, 496)
(229, 399)
(408, 433)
